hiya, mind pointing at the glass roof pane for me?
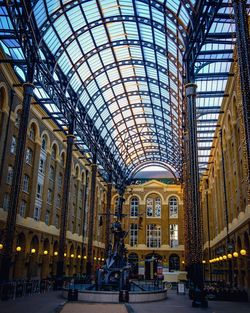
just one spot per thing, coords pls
(120, 57)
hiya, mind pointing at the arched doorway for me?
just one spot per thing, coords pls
(19, 269)
(33, 259)
(174, 263)
(45, 270)
(133, 261)
(152, 261)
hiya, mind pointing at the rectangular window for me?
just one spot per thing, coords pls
(42, 166)
(26, 181)
(9, 175)
(60, 180)
(49, 196)
(173, 208)
(39, 191)
(57, 221)
(133, 235)
(46, 219)
(13, 145)
(37, 213)
(153, 236)
(6, 201)
(22, 209)
(173, 235)
(58, 201)
(52, 173)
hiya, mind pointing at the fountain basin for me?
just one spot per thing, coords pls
(114, 296)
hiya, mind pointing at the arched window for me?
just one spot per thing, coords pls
(153, 206)
(29, 156)
(18, 118)
(173, 207)
(77, 171)
(134, 206)
(9, 175)
(44, 142)
(53, 152)
(62, 160)
(116, 205)
(32, 132)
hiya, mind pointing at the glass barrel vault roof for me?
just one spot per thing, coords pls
(124, 61)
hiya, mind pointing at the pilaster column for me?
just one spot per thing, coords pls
(108, 219)
(91, 217)
(84, 216)
(17, 177)
(193, 201)
(243, 48)
(65, 199)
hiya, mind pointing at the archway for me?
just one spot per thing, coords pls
(45, 270)
(33, 270)
(19, 268)
(174, 263)
(152, 261)
(133, 261)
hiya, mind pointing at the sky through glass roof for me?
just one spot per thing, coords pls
(123, 60)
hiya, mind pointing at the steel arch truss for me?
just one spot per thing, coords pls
(117, 67)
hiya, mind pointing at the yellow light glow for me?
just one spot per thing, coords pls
(45, 252)
(221, 258)
(229, 256)
(102, 259)
(55, 253)
(72, 255)
(65, 254)
(99, 259)
(85, 257)
(236, 254)
(18, 249)
(183, 262)
(243, 252)
(33, 251)
(217, 259)
(1, 246)
(79, 256)
(224, 257)
(203, 261)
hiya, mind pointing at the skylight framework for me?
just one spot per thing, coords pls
(119, 66)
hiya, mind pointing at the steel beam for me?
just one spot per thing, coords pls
(89, 266)
(10, 229)
(65, 202)
(194, 209)
(243, 48)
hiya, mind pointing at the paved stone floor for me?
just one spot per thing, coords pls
(52, 301)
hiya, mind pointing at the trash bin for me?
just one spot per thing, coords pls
(123, 296)
(73, 295)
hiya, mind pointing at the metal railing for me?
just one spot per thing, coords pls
(21, 288)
